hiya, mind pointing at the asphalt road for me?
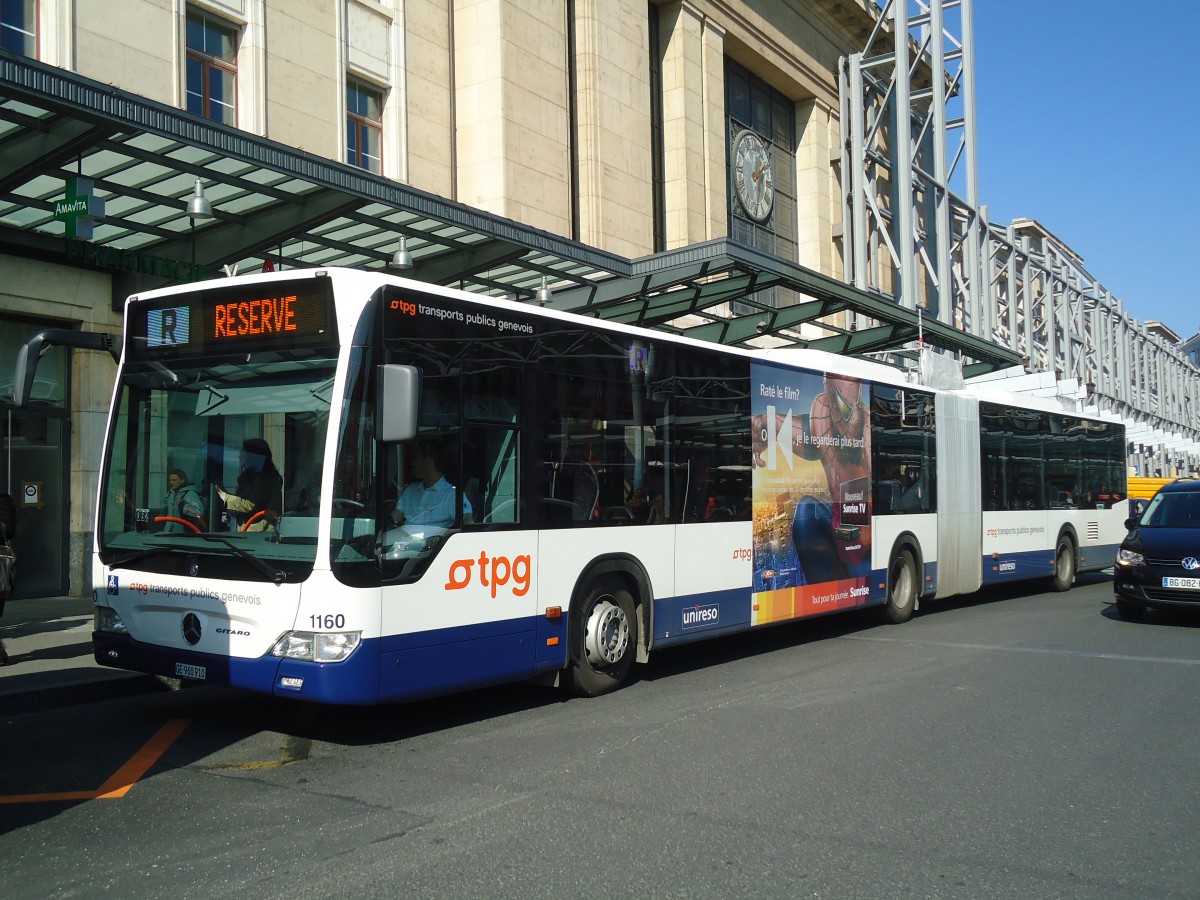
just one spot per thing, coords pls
(1012, 745)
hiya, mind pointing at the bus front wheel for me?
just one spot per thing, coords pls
(1064, 565)
(604, 638)
(901, 588)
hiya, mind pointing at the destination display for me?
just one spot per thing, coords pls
(252, 317)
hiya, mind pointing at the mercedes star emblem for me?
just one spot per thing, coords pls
(191, 628)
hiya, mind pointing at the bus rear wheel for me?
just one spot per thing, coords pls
(603, 638)
(901, 588)
(1064, 565)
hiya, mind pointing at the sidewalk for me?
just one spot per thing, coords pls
(50, 663)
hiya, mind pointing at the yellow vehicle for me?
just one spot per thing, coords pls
(1144, 488)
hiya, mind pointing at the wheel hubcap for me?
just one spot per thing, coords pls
(901, 585)
(607, 634)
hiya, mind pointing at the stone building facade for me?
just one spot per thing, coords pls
(629, 126)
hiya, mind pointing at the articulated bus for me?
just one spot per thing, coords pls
(602, 490)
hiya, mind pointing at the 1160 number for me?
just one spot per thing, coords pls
(327, 622)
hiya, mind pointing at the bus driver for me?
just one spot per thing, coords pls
(430, 500)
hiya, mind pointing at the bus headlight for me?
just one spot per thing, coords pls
(1129, 558)
(317, 646)
(105, 618)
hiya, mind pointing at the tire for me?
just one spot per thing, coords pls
(604, 636)
(901, 588)
(1064, 565)
(1130, 611)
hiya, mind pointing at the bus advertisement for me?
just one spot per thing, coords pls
(812, 486)
(347, 487)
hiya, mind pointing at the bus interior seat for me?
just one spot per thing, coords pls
(474, 498)
(586, 492)
(887, 496)
(621, 514)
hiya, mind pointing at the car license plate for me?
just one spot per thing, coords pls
(1190, 584)
(183, 670)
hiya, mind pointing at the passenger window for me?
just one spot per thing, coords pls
(490, 467)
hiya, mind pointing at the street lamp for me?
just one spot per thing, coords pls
(402, 259)
(544, 294)
(198, 208)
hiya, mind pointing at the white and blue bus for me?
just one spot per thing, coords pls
(575, 493)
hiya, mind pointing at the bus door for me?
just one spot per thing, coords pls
(458, 589)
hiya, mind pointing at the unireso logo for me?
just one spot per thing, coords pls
(701, 614)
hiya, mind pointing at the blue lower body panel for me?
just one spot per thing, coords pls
(680, 620)
(1031, 564)
(428, 663)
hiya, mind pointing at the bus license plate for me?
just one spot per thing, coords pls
(183, 670)
(1191, 584)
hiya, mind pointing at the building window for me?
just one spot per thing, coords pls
(763, 118)
(211, 68)
(762, 136)
(364, 126)
(18, 31)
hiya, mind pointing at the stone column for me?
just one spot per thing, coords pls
(427, 111)
(511, 96)
(694, 128)
(613, 140)
(818, 198)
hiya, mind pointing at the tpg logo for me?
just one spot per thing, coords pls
(492, 572)
(408, 309)
(698, 616)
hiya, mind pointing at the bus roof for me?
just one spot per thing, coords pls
(367, 281)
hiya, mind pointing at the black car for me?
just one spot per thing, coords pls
(1158, 563)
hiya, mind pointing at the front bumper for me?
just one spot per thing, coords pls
(354, 681)
(1145, 588)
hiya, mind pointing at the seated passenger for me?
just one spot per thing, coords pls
(638, 505)
(182, 502)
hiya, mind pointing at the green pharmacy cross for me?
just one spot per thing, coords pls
(81, 210)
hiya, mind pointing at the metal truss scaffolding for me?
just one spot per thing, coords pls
(916, 232)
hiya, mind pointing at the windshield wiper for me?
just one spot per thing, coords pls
(277, 575)
(326, 388)
(141, 554)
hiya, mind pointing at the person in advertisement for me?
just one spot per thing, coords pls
(838, 425)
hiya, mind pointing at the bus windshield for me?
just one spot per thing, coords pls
(209, 456)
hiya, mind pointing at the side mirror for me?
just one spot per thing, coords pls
(1130, 523)
(399, 401)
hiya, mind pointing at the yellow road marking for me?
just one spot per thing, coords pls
(124, 778)
(295, 750)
